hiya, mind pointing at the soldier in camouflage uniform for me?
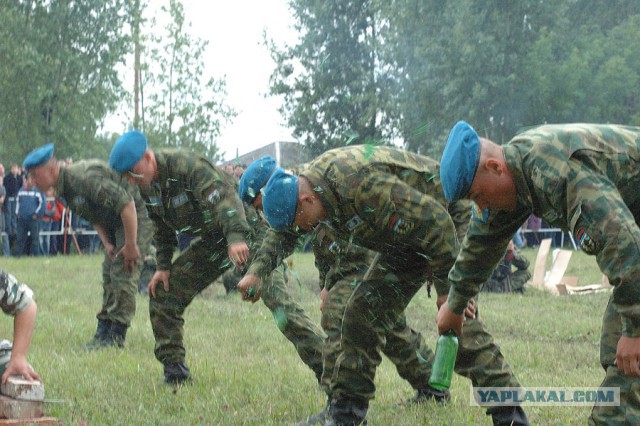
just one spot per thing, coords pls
(389, 201)
(184, 192)
(504, 279)
(16, 299)
(116, 210)
(290, 317)
(583, 178)
(339, 264)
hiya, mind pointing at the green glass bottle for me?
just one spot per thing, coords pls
(445, 360)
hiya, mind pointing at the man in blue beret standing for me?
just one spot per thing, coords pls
(184, 192)
(583, 178)
(389, 201)
(116, 210)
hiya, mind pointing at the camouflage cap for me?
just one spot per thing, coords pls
(280, 199)
(38, 156)
(127, 151)
(459, 161)
(255, 177)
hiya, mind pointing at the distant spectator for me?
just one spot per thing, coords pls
(518, 240)
(29, 209)
(533, 236)
(56, 242)
(46, 223)
(4, 237)
(238, 170)
(229, 169)
(12, 184)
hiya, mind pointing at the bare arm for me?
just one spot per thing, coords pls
(130, 250)
(23, 325)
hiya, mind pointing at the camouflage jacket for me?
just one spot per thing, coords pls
(195, 197)
(346, 180)
(583, 178)
(98, 194)
(14, 296)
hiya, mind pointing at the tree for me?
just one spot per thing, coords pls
(182, 110)
(58, 75)
(332, 82)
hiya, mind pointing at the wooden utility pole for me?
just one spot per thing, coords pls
(136, 65)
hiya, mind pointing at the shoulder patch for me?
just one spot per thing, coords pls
(587, 244)
(400, 226)
(478, 215)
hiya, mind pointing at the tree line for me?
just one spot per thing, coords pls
(406, 71)
(361, 71)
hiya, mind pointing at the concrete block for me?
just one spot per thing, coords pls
(16, 409)
(19, 388)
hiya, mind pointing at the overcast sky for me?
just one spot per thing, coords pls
(234, 29)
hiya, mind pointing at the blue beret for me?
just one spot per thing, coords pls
(280, 199)
(255, 177)
(459, 161)
(127, 151)
(38, 156)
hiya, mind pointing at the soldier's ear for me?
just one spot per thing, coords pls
(493, 165)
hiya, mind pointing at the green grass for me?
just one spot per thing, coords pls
(246, 373)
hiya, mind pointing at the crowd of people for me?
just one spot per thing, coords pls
(33, 221)
(370, 211)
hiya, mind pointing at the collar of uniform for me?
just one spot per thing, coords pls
(513, 158)
(62, 173)
(327, 196)
(163, 168)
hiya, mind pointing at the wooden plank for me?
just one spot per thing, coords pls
(26, 390)
(39, 421)
(584, 289)
(562, 289)
(557, 270)
(570, 281)
(541, 264)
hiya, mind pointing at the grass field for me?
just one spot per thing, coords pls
(246, 373)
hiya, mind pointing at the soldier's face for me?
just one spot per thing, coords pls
(42, 176)
(309, 213)
(493, 191)
(140, 174)
(257, 202)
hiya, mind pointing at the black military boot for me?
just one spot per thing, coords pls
(347, 412)
(508, 416)
(102, 333)
(441, 397)
(118, 334)
(317, 419)
(176, 374)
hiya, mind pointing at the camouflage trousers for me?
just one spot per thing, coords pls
(514, 282)
(119, 287)
(194, 270)
(364, 318)
(292, 321)
(628, 413)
